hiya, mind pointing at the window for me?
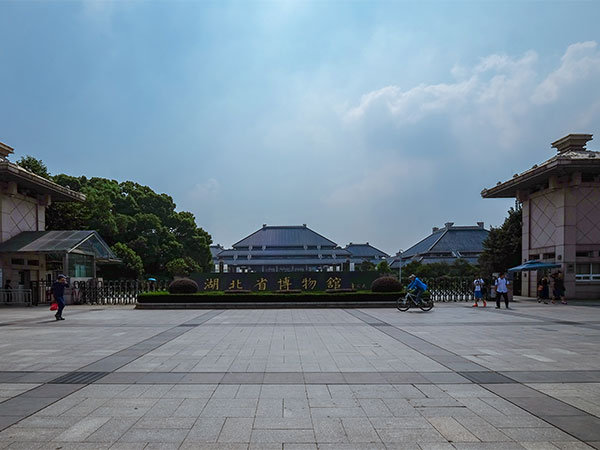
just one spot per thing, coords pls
(587, 272)
(583, 254)
(588, 177)
(549, 255)
(81, 266)
(18, 262)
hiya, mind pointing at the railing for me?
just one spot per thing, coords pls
(452, 289)
(120, 292)
(16, 297)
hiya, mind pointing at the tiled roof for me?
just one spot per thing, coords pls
(284, 236)
(38, 184)
(566, 160)
(215, 250)
(365, 251)
(450, 239)
(258, 252)
(284, 261)
(424, 245)
(84, 241)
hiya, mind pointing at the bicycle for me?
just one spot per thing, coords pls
(410, 299)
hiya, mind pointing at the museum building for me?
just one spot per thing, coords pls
(282, 249)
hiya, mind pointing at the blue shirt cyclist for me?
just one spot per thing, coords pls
(417, 286)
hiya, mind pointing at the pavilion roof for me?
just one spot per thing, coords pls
(77, 241)
(572, 157)
(35, 183)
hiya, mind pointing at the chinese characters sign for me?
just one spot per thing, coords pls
(284, 281)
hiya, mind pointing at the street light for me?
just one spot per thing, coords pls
(399, 255)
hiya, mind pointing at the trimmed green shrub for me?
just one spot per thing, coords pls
(183, 286)
(386, 284)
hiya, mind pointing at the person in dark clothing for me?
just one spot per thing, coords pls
(559, 288)
(58, 290)
(8, 289)
(545, 291)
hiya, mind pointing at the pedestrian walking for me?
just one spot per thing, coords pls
(58, 290)
(502, 290)
(478, 292)
(545, 289)
(559, 288)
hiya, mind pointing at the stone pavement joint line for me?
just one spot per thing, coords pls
(570, 419)
(456, 378)
(79, 378)
(11, 411)
(130, 354)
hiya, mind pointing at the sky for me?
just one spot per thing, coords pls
(369, 121)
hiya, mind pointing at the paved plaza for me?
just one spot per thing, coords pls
(454, 378)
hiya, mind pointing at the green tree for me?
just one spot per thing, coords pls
(366, 266)
(34, 165)
(182, 266)
(383, 267)
(502, 247)
(143, 221)
(133, 266)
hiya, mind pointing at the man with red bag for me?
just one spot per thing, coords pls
(58, 290)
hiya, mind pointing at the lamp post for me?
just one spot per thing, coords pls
(399, 254)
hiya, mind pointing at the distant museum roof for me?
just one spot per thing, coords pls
(365, 251)
(451, 239)
(284, 236)
(30, 181)
(572, 156)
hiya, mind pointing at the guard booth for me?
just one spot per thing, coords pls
(37, 257)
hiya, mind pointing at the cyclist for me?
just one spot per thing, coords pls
(418, 287)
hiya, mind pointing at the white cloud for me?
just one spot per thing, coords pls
(581, 61)
(205, 192)
(500, 96)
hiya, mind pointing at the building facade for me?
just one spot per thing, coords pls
(561, 215)
(282, 249)
(27, 251)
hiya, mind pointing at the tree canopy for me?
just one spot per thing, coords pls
(140, 225)
(502, 247)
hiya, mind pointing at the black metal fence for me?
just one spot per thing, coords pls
(96, 292)
(453, 289)
(123, 292)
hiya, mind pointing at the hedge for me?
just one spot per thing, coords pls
(309, 297)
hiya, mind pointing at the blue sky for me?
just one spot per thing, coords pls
(367, 120)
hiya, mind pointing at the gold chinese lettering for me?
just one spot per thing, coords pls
(285, 283)
(308, 284)
(334, 283)
(261, 284)
(235, 285)
(211, 284)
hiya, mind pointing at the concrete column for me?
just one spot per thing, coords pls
(569, 238)
(526, 278)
